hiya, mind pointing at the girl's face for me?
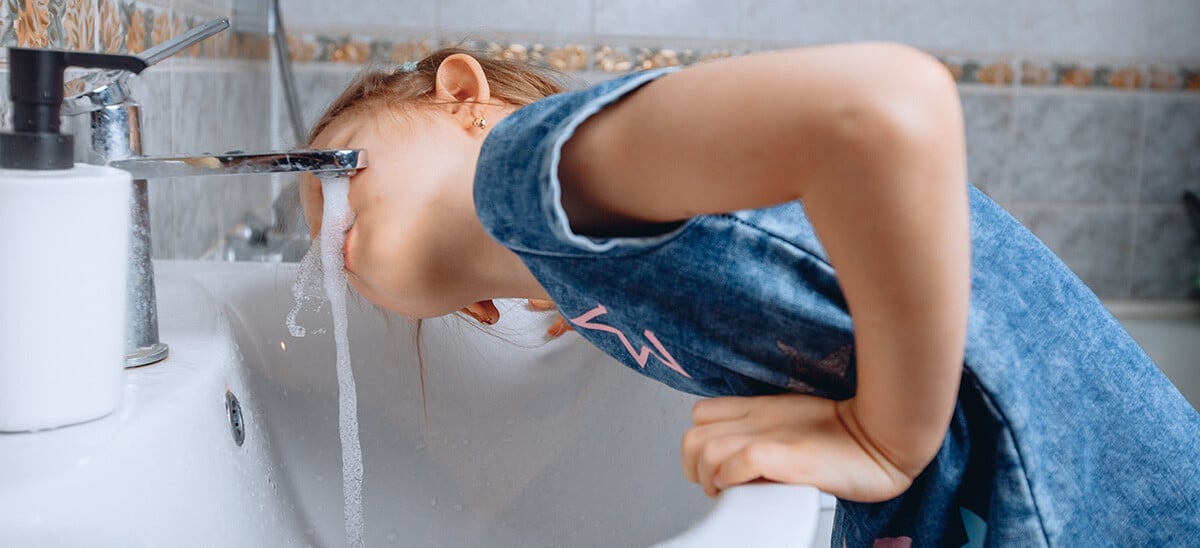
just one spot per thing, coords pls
(414, 213)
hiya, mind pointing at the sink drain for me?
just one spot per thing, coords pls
(234, 410)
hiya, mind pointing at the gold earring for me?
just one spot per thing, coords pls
(480, 122)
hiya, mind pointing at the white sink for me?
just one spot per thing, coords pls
(520, 441)
(1169, 332)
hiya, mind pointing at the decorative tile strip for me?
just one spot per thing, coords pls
(115, 26)
(132, 26)
(1034, 74)
(611, 58)
(341, 50)
(570, 57)
(650, 58)
(994, 72)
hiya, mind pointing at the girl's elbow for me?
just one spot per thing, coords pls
(918, 103)
(906, 107)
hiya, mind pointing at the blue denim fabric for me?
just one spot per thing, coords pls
(1065, 432)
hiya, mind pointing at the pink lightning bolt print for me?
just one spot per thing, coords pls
(642, 356)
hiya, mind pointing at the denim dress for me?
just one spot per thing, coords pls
(1064, 434)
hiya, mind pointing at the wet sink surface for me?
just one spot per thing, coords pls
(509, 440)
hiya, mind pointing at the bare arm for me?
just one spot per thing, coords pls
(870, 138)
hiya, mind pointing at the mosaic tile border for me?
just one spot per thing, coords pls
(579, 56)
(117, 26)
(130, 26)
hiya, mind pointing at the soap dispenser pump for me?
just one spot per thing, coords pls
(62, 276)
(35, 83)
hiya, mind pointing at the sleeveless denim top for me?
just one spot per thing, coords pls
(1065, 433)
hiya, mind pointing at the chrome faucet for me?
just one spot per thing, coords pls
(116, 140)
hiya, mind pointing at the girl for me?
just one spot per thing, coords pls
(794, 230)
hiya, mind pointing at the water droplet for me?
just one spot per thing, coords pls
(392, 537)
(458, 508)
(433, 502)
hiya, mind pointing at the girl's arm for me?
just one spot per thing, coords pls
(870, 138)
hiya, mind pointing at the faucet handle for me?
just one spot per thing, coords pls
(104, 85)
(186, 40)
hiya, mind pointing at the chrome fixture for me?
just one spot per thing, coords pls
(237, 424)
(331, 163)
(113, 121)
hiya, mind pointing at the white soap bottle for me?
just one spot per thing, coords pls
(64, 228)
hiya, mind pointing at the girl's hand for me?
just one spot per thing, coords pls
(788, 438)
(881, 173)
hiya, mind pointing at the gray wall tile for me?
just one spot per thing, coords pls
(152, 89)
(709, 19)
(570, 17)
(988, 119)
(1095, 243)
(317, 85)
(1172, 29)
(310, 15)
(987, 26)
(1166, 255)
(809, 22)
(163, 231)
(1072, 28)
(215, 109)
(1171, 158)
(193, 218)
(1075, 148)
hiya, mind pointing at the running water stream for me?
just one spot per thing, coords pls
(325, 262)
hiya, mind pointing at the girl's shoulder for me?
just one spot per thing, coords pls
(517, 189)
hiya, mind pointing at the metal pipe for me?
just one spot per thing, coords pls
(284, 60)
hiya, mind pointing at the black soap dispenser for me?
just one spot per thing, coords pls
(35, 86)
(62, 278)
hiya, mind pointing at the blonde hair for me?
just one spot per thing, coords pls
(513, 82)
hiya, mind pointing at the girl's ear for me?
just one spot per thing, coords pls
(461, 82)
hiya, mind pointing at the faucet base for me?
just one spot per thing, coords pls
(146, 355)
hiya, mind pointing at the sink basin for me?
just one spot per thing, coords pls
(509, 440)
(1170, 333)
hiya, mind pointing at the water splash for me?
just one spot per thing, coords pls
(323, 267)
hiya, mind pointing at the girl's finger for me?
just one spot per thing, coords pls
(698, 438)
(713, 456)
(720, 409)
(759, 460)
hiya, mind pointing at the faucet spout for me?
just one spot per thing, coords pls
(318, 162)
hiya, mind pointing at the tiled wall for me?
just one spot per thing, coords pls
(1083, 116)
(211, 98)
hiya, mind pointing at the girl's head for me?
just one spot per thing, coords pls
(416, 246)
(415, 84)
